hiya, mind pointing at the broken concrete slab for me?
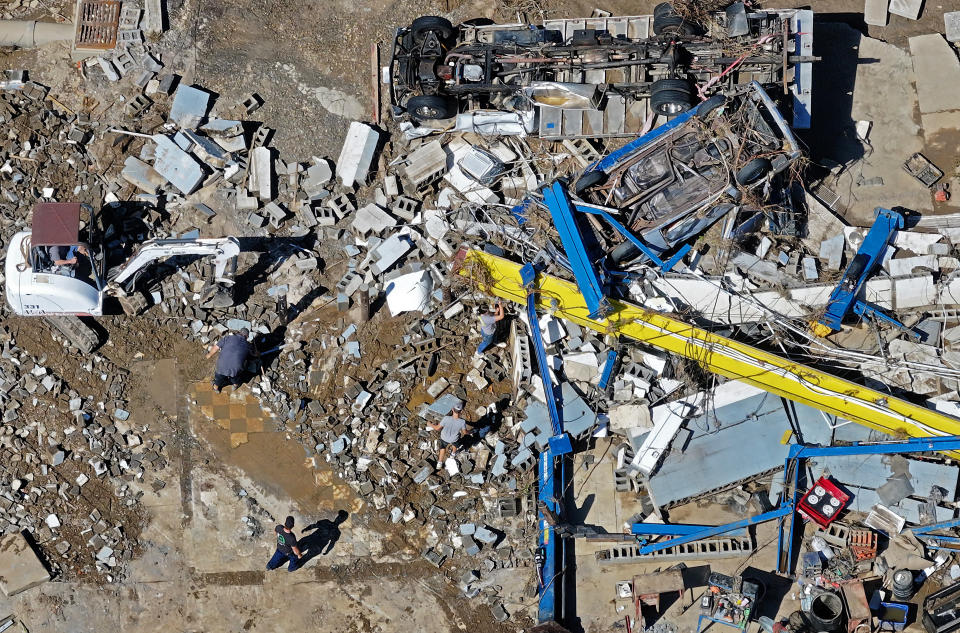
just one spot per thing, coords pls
(937, 73)
(20, 568)
(356, 156)
(189, 106)
(141, 175)
(180, 168)
(895, 134)
(909, 9)
(875, 12)
(260, 178)
(951, 24)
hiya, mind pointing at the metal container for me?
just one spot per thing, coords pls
(825, 613)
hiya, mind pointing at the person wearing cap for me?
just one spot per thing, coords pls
(234, 350)
(452, 427)
(287, 548)
(488, 326)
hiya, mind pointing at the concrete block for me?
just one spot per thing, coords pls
(349, 283)
(341, 205)
(810, 269)
(356, 156)
(405, 208)
(276, 213)
(108, 70)
(389, 252)
(317, 177)
(324, 216)
(153, 17)
(260, 178)
(390, 186)
(177, 166)
(438, 387)
(485, 535)
(20, 569)
(189, 106)
(875, 12)
(372, 219)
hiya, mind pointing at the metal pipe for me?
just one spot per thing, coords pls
(31, 33)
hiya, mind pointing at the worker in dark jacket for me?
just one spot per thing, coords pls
(287, 547)
(234, 351)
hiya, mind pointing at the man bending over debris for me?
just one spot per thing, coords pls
(488, 326)
(234, 350)
(286, 547)
(451, 427)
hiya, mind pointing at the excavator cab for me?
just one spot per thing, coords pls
(57, 267)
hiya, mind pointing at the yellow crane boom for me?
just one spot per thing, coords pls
(718, 354)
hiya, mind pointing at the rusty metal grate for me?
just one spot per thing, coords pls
(97, 24)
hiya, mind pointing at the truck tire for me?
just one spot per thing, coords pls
(430, 107)
(589, 179)
(424, 24)
(754, 170)
(666, 21)
(671, 96)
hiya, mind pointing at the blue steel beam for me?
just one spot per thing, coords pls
(868, 257)
(588, 279)
(673, 529)
(912, 445)
(666, 266)
(547, 539)
(779, 513)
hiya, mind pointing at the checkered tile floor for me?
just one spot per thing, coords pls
(236, 411)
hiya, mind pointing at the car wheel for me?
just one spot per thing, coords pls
(423, 25)
(711, 104)
(589, 179)
(663, 9)
(671, 96)
(430, 107)
(754, 170)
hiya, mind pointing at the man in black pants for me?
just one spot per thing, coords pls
(286, 547)
(234, 350)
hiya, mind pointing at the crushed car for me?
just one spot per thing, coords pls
(596, 77)
(726, 156)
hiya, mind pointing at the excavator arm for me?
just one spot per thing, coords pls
(222, 249)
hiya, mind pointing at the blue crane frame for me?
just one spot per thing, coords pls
(785, 513)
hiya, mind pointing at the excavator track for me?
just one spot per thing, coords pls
(80, 335)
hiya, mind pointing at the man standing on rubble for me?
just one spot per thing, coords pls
(488, 326)
(234, 350)
(451, 428)
(286, 547)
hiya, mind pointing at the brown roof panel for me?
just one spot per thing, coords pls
(56, 224)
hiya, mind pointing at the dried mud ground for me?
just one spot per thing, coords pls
(196, 569)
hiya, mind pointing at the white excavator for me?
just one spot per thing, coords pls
(59, 270)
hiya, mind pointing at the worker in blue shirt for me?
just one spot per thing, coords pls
(234, 351)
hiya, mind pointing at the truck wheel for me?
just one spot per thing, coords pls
(589, 179)
(671, 96)
(423, 25)
(666, 21)
(754, 170)
(430, 107)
